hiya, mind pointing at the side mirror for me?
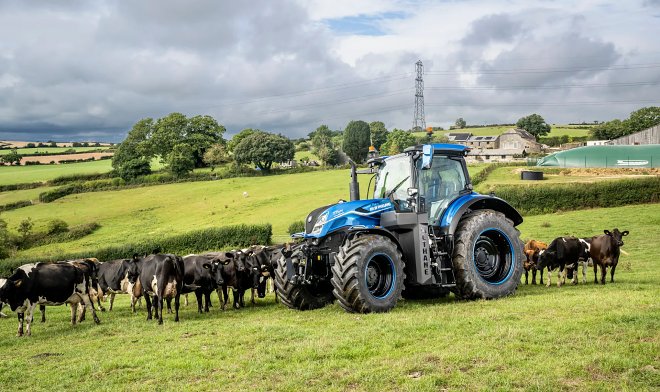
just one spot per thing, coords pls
(412, 192)
(427, 156)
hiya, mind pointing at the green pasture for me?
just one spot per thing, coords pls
(579, 338)
(25, 194)
(51, 150)
(36, 173)
(556, 130)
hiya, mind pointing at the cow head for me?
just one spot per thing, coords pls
(8, 292)
(545, 259)
(616, 235)
(261, 269)
(217, 266)
(133, 269)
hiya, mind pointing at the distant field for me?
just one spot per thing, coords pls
(575, 338)
(26, 194)
(557, 130)
(51, 150)
(36, 173)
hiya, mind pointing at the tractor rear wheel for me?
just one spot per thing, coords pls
(301, 297)
(488, 256)
(368, 274)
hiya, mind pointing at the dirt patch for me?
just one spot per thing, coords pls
(46, 159)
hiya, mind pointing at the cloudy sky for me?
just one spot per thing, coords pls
(88, 70)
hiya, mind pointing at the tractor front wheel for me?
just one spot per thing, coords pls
(488, 256)
(367, 275)
(301, 297)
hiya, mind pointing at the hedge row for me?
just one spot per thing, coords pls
(217, 238)
(483, 175)
(21, 186)
(543, 199)
(75, 233)
(15, 205)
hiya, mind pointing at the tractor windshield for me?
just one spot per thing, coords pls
(440, 184)
(394, 177)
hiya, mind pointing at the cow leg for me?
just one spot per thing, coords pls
(198, 294)
(176, 307)
(541, 273)
(185, 299)
(42, 309)
(595, 273)
(207, 302)
(549, 278)
(81, 308)
(603, 273)
(584, 272)
(21, 318)
(252, 295)
(98, 301)
(561, 276)
(112, 300)
(574, 281)
(526, 273)
(237, 301)
(29, 318)
(169, 305)
(159, 309)
(147, 301)
(90, 305)
(612, 273)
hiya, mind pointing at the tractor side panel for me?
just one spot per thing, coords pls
(412, 231)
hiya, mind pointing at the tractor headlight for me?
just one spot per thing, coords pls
(322, 219)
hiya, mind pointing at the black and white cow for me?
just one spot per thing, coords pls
(201, 278)
(563, 253)
(46, 284)
(266, 258)
(161, 277)
(583, 261)
(113, 279)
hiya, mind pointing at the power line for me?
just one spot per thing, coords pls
(529, 87)
(545, 70)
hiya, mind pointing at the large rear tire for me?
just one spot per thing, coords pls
(300, 297)
(367, 275)
(488, 256)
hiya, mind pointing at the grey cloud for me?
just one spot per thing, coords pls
(493, 28)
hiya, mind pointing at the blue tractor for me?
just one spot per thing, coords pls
(424, 234)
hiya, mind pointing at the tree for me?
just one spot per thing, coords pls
(534, 124)
(262, 149)
(133, 156)
(239, 137)
(397, 141)
(216, 155)
(201, 133)
(25, 228)
(378, 134)
(460, 123)
(357, 140)
(642, 119)
(5, 240)
(30, 145)
(12, 158)
(165, 133)
(608, 130)
(324, 148)
(133, 168)
(181, 160)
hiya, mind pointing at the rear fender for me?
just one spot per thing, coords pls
(472, 202)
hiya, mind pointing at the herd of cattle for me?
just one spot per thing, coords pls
(162, 278)
(156, 277)
(566, 254)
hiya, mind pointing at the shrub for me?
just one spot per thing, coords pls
(56, 226)
(296, 227)
(15, 205)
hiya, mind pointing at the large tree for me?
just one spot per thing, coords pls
(534, 124)
(397, 141)
(378, 134)
(134, 154)
(12, 157)
(460, 123)
(262, 149)
(181, 160)
(639, 120)
(236, 139)
(357, 140)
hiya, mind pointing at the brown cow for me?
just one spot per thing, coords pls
(605, 251)
(532, 250)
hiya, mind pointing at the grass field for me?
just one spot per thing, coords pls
(175, 208)
(51, 150)
(26, 194)
(36, 173)
(556, 130)
(586, 337)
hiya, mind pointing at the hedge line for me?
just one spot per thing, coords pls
(483, 175)
(210, 239)
(15, 205)
(543, 199)
(21, 186)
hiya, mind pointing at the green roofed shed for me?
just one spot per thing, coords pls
(605, 156)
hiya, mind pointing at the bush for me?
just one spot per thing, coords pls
(21, 186)
(210, 239)
(15, 205)
(56, 226)
(296, 227)
(483, 175)
(543, 199)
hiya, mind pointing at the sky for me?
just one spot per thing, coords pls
(89, 70)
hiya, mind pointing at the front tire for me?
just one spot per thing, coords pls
(488, 256)
(367, 275)
(300, 297)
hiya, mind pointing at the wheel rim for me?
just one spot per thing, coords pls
(493, 256)
(380, 275)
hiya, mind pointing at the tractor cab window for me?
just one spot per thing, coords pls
(394, 177)
(440, 184)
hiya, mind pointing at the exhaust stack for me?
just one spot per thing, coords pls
(354, 186)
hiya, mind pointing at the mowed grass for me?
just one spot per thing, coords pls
(38, 173)
(23, 194)
(51, 150)
(586, 337)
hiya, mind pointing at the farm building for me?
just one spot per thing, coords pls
(518, 140)
(605, 156)
(647, 136)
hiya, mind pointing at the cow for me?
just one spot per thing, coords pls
(161, 277)
(605, 251)
(113, 279)
(232, 267)
(201, 278)
(582, 261)
(265, 261)
(532, 249)
(562, 252)
(46, 284)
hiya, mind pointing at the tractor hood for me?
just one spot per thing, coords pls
(360, 213)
